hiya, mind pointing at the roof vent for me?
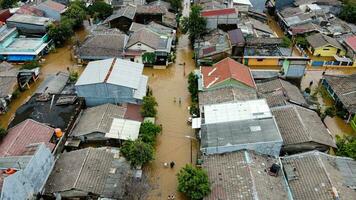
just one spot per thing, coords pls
(274, 169)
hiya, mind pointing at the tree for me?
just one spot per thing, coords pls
(193, 182)
(101, 10)
(346, 146)
(61, 32)
(348, 12)
(195, 24)
(7, 3)
(77, 12)
(176, 5)
(137, 152)
(3, 133)
(149, 106)
(149, 132)
(286, 42)
(193, 86)
(31, 65)
(149, 58)
(301, 41)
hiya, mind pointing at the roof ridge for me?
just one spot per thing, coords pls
(305, 129)
(316, 153)
(81, 168)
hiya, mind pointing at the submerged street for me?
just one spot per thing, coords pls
(173, 144)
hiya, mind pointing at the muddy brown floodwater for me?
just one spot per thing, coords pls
(173, 145)
(54, 62)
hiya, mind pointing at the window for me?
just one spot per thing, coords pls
(326, 49)
(139, 44)
(259, 59)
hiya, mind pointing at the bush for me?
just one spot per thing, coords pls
(73, 76)
(348, 12)
(100, 9)
(194, 109)
(193, 86)
(31, 65)
(301, 41)
(193, 182)
(137, 152)
(149, 132)
(16, 94)
(3, 133)
(286, 42)
(149, 106)
(346, 146)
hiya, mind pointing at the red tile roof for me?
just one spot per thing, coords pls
(225, 11)
(55, 5)
(26, 133)
(226, 69)
(351, 41)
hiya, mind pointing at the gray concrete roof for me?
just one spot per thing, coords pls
(54, 84)
(278, 92)
(225, 95)
(29, 19)
(89, 170)
(314, 176)
(298, 125)
(127, 11)
(243, 175)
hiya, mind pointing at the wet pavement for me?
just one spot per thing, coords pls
(172, 145)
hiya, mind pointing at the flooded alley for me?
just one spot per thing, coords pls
(173, 144)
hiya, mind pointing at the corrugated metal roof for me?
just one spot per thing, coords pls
(142, 88)
(95, 72)
(124, 129)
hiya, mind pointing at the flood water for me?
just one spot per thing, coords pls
(173, 145)
(56, 61)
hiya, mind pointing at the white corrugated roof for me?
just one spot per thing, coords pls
(142, 88)
(236, 111)
(244, 2)
(124, 129)
(196, 123)
(124, 73)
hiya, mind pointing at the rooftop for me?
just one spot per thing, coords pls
(28, 19)
(151, 9)
(53, 84)
(7, 85)
(90, 170)
(60, 114)
(345, 89)
(26, 133)
(27, 46)
(236, 37)
(237, 111)
(228, 94)
(243, 175)
(224, 70)
(319, 176)
(279, 92)
(150, 38)
(114, 71)
(127, 11)
(218, 12)
(213, 43)
(54, 5)
(351, 42)
(319, 40)
(298, 125)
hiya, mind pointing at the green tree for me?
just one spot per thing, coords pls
(301, 41)
(346, 146)
(195, 24)
(193, 182)
(176, 5)
(31, 65)
(77, 12)
(7, 3)
(149, 58)
(149, 106)
(137, 152)
(193, 86)
(348, 12)
(101, 9)
(61, 32)
(286, 42)
(3, 133)
(149, 132)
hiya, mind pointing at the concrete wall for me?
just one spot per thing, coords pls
(268, 148)
(262, 62)
(327, 51)
(28, 182)
(102, 93)
(229, 82)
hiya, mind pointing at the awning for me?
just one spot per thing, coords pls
(20, 57)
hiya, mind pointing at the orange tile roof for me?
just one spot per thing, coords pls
(226, 69)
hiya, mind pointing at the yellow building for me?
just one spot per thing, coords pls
(322, 45)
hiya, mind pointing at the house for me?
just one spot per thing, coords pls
(8, 84)
(122, 18)
(316, 175)
(4, 15)
(24, 175)
(279, 92)
(112, 81)
(52, 9)
(27, 133)
(89, 173)
(213, 47)
(267, 52)
(227, 72)
(28, 24)
(342, 90)
(245, 175)
(18, 48)
(58, 111)
(234, 126)
(114, 123)
(302, 130)
(350, 44)
(144, 42)
(102, 44)
(225, 19)
(323, 45)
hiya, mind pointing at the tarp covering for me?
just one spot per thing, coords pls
(20, 57)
